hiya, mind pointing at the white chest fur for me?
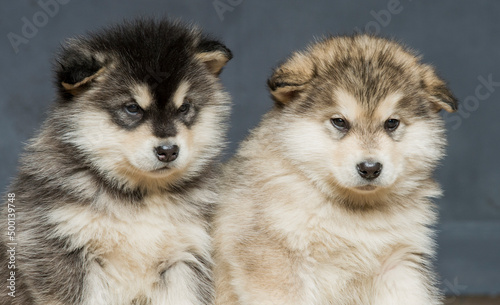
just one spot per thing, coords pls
(132, 247)
(340, 250)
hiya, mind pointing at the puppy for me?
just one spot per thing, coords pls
(328, 201)
(113, 196)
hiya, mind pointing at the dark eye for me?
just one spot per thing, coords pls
(340, 124)
(133, 109)
(391, 124)
(184, 108)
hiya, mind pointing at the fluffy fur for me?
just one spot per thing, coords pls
(297, 222)
(100, 218)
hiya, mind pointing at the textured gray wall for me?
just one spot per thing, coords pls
(461, 38)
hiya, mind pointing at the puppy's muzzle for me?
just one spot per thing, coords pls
(167, 153)
(369, 170)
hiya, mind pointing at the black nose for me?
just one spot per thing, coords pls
(167, 153)
(369, 170)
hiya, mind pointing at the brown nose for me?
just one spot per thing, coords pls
(369, 170)
(167, 153)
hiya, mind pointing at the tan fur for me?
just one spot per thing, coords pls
(296, 222)
(76, 88)
(215, 61)
(143, 96)
(180, 94)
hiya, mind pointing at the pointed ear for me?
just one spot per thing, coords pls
(439, 93)
(76, 71)
(214, 55)
(291, 78)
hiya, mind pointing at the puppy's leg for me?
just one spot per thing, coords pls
(186, 282)
(405, 282)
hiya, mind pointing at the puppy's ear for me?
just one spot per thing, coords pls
(76, 71)
(214, 55)
(439, 93)
(291, 78)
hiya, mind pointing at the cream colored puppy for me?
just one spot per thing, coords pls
(329, 199)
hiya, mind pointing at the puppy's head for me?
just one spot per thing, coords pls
(361, 114)
(142, 101)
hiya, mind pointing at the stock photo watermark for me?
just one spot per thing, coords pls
(155, 75)
(31, 26)
(470, 103)
(383, 17)
(453, 290)
(11, 245)
(223, 6)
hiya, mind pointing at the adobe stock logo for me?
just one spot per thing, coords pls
(30, 27)
(382, 17)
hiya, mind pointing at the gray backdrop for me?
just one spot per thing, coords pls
(461, 38)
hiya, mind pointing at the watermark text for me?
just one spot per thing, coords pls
(11, 245)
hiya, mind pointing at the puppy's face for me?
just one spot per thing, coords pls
(145, 101)
(361, 114)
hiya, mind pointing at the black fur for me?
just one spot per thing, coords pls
(213, 45)
(159, 54)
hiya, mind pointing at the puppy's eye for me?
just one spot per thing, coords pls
(184, 108)
(133, 110)
(340, 124)
(391, 124)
